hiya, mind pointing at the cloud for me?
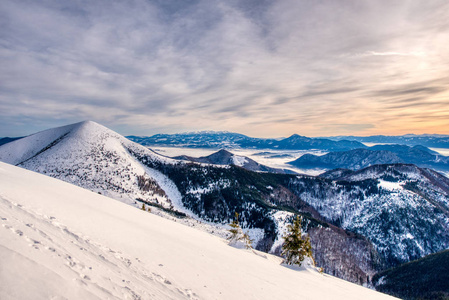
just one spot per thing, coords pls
(374, 53)
(263, 68)
(418, 89)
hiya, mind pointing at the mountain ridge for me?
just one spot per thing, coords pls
(428, 140)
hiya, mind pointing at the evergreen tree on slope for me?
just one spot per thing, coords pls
(296, 247)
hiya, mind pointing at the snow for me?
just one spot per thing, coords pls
(169, 188)
(59, 241)
(16, 152)
(239, 160)
(409, 236)
(282, 219)
(390, 186)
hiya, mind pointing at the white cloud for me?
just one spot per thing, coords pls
(391, 53)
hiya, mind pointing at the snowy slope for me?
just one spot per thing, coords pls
(59, 241)
(92, 156)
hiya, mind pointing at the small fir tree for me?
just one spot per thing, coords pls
(235, 228)
(143, 206)
(296, 247)
(237, 234)
(247, 241)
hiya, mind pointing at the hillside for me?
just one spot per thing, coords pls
(402, 209)
(61, 241)
(425, 278)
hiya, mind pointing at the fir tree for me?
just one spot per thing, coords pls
(237, 234)
(247, 241)
(296, 247)
(235, 228)
(143, 206)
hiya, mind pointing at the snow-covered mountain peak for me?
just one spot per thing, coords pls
(94, 157)
(88, 129)
(64, 142)
(81, 133)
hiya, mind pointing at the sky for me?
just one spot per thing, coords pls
(258, 67)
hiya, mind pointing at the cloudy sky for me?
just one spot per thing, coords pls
(258, 67)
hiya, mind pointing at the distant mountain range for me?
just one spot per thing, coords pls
(379, 154)
(428, 140)
(359, 222)
(223, 139)
(216, 139)
(211, 139)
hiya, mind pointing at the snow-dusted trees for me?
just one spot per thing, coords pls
(238, 238)
(296, 247)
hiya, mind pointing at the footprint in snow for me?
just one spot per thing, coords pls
(83, 276)
(50, 249)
